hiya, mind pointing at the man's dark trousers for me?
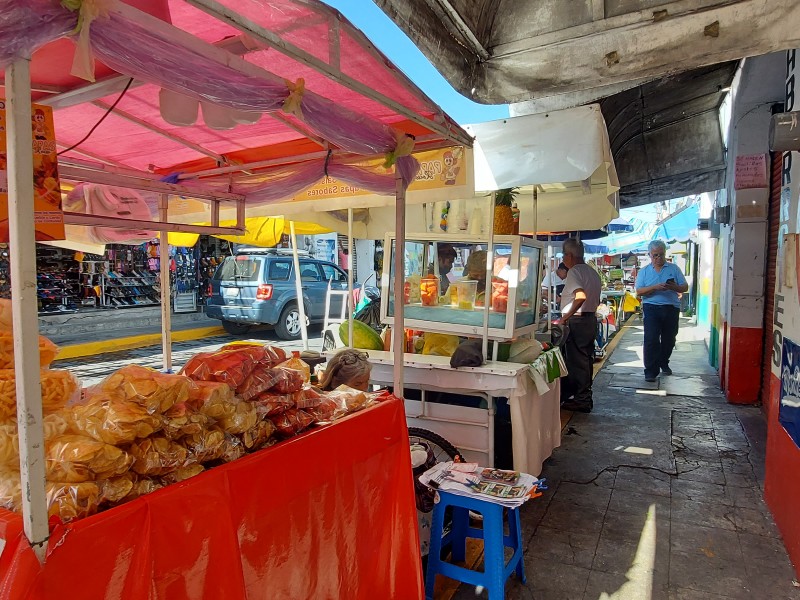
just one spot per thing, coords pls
(660, 330)
(579, 350)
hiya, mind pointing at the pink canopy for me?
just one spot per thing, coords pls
(355, 103)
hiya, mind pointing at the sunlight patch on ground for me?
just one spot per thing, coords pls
(635, 450)
(640, 576)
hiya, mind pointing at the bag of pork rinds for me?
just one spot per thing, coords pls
(58, 389)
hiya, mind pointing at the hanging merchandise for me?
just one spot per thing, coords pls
(114, 202)
(185, 280)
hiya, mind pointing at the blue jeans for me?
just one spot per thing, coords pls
(660, 330)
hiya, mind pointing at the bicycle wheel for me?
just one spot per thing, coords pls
(441, 448)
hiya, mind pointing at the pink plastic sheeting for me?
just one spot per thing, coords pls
(133, 50)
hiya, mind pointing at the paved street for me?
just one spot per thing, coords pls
(92, 369)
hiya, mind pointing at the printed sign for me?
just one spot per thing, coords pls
(789, 411)
(751, 172)
(48, 217)
(438, 169)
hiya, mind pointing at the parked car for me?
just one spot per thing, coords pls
(257, 287)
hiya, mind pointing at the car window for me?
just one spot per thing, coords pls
(279, 270)
(240, 268)
(331, 273)
(309, 271)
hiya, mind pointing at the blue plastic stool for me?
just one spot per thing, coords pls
(496, 571)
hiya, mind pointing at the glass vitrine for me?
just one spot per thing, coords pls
(446, 287)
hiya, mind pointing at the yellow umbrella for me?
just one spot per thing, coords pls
(259, 231)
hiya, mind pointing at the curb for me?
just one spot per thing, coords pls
(133, 342)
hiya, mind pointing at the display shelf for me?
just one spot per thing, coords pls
(433, 305)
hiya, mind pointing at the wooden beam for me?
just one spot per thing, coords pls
(262, 35)
(96, 221)
(88, 154)
(77, 173)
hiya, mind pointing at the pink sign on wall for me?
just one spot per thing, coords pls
(751, 172)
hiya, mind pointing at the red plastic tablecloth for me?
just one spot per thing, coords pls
(329, 514)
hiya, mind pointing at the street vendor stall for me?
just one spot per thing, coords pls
(137, 121)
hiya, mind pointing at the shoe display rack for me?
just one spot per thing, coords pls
(136, 288)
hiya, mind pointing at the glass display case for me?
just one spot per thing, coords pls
(446, 289)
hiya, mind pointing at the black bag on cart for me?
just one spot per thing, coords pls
(371, 315)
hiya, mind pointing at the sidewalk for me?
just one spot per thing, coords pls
(655, 496)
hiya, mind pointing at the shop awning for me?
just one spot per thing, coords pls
(564, 154)
(678, 228)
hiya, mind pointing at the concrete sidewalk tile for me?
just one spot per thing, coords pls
(566, 547)
(583, 494)
(750, 520)
(760, 551)
(567, 516)
(619, 587)
(700, 491)
(684, 594)
(554, 580)
(706, 544)
(704, 471)
(638, 503)
(648, 481)
(709, 514)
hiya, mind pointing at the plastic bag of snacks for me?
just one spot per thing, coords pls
(142, 486)
(58, 388)
(255, 437)
(76, 458)
(232, 449)
(115, 421)
(309, 397)
(155, 456)
(324, 411)
(212, 398)
(287, 381)
(71, 501)
(10, 489)
(292, 422)
(116, 489)
(348, 400)
(243, 418)
(182, 474)
(206, 445)
(260, 380)
(271, 403)
(155, 391)
(272, 354)
(230, 366)
(182, 419)
(47, 350)
(298, 364)
(54, 425)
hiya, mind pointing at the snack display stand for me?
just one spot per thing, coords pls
(248, 528)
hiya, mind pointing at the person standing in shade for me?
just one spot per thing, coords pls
(579, 301)
(658, 284)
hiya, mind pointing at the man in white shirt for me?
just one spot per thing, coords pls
(579, 301)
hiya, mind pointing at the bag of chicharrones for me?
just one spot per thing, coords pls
(157, 392)
(112, 419)
(76, 458)
(54, 425)
(156, 456)
(58, 389)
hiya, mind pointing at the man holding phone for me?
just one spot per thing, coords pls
(658, 284)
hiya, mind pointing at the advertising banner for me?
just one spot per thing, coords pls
(789, 412)
(49, 217)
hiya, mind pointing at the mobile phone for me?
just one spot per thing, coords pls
(671, 280)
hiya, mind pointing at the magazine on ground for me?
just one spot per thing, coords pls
(509, 488)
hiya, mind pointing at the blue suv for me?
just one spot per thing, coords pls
(257, 287)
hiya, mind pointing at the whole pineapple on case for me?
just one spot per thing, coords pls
(503, 215)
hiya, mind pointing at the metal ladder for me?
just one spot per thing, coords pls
(330, 333)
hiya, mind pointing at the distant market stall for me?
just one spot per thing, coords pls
(298, 111)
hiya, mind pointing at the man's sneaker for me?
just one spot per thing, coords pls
(650, 378)
(666, 371)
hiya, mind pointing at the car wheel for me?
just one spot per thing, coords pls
(288, 326)
(235, 328)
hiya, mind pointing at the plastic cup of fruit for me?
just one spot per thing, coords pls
(466, 292)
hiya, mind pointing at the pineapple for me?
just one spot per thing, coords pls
(503, 215)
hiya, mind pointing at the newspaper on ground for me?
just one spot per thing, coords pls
(507, 488)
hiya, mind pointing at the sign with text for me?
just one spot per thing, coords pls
(751, 172)
(438, 169)
(48, 217)
(789, 411)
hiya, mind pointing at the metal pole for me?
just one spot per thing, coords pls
(535, 211)
(166, 293)
(350, 253)
(22, 238)
(298, 286)
(487, 293)
(398, 341)
(551, 288)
